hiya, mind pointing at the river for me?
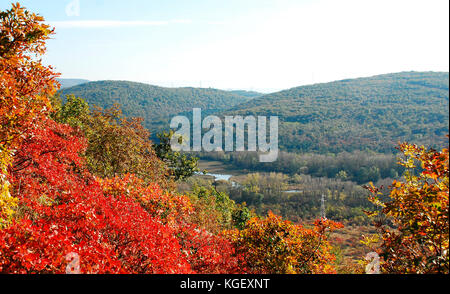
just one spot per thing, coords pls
(225, 177)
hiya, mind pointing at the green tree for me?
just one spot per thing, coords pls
(116, 145)
(181, 165)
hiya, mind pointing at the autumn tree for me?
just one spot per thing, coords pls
(205, 251)
(415, 238)
(115, 225)
(215, 211)
(272, 245)
(63, 208)
(116, 145)
(25, 85)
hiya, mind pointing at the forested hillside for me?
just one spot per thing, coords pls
(358, 114)
(367, 113)
(249, 94)
(157, 105)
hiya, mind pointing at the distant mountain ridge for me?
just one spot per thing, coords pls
(67, 83)
(249, 94)
(371, 113)
(157, 105)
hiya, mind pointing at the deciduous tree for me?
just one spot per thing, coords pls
(415, 240)
(25, 85)
(272, 245)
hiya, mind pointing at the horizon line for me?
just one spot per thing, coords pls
(250, 89)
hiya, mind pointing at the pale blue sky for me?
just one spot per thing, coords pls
(264, 45)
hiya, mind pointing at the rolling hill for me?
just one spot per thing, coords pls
(249, 94)
(371, 113)
(157, 105)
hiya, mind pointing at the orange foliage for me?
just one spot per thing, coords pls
(25, 85)
(52, 207)
(274, 246)
(418, 211)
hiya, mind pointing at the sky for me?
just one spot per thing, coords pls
(260, 45)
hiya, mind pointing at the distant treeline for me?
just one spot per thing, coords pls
(374, 113)
(358, 166)
(156, 105)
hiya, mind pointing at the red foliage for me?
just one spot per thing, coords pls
(205, 252)
(65, 210)
(118, 225)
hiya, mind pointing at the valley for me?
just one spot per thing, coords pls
(330, 141)
(340, 168)
(296, 199)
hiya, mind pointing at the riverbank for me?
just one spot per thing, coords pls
(217, 167)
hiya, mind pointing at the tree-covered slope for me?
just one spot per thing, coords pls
(157, 105)
(357, 114)
(249, 94)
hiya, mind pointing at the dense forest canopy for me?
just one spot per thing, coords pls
(372, 113)
(250, 94)
(157, 105)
